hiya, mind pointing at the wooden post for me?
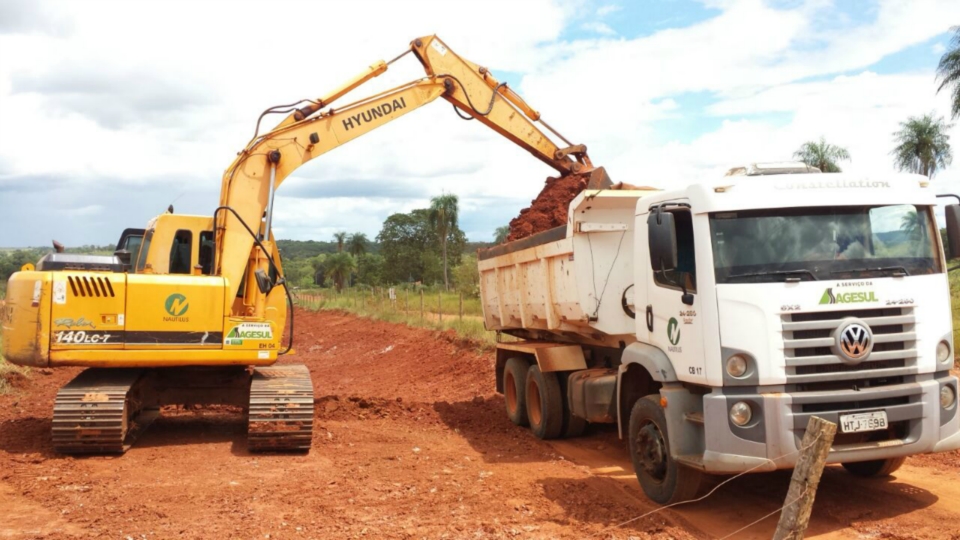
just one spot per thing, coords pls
(440, 306)
(461, 308)
(806, 477)
(421, 306)
(406, 298)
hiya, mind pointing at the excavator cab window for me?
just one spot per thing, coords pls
(180, 252)
(144, 249)
(206, 252)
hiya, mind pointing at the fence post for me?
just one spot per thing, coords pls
(421, 307)
(806, 476)
(461, 308)
(406, 297)
(440, 307)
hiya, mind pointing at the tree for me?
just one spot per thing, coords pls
(411, 248)
(339, 266)
(370, 269)
(443, 217)
(340, 238)
(948, 72)
(923, 146)
(822, 155)
(500, 234)
(357, 244)
(466, 276)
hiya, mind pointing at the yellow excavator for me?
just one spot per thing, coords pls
(191, 310)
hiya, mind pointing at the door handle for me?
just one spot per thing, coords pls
(650, 318)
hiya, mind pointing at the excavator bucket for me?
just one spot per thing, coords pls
(599, 179)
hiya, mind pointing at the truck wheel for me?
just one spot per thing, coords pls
(663, 479)
(874, 468)
(515, 390)
(544, 403)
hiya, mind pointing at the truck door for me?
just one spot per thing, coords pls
(673, 305)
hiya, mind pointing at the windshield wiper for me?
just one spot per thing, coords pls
(899, 270)
(777, 273)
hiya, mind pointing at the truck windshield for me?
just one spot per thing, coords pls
(846, 242)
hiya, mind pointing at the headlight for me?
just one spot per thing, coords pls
(741, 413)
(947, 397)
(943, 351)
(736, 366)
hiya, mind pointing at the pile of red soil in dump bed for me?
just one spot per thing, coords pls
(549, 209)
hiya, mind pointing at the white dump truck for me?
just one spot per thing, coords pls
(710, 323)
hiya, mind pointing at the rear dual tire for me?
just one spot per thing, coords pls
(536, 399)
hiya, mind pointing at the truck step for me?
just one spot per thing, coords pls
(693, 461)
(695, 417)
(97, 412)
(281, 409)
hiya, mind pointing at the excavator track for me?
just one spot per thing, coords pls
(99, 412)
(281, 409)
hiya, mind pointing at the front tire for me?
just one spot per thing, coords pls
(663, 479)
(874, 468)
(515, 390)
(544, 403)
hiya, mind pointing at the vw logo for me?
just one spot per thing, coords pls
(854, 341)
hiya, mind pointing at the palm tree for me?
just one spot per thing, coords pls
(500, 235)
(923, 146)
(357, 244)
(339, 266)
(340, 238)
(822, 155)
(443, 217)
(948, 72)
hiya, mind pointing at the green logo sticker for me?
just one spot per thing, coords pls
(847, 298)
(176, 305)
(673, 331)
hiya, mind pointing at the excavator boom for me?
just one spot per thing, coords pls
(317, 127)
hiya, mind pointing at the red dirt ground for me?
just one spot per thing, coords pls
(410, 442)
(549, 209)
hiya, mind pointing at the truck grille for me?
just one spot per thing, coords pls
(808, 337)
(822, 384)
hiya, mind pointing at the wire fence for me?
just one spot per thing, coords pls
(436, 310)
(720, 485)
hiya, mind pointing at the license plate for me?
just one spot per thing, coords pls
(870, 421)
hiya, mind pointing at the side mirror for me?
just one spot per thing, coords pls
(263, 281)
(662, 237)
(952, 215)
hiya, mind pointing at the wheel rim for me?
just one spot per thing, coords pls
(652, 451)
(510, 392)
(534, 412)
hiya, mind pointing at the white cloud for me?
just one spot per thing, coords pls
(603, 11)
(598, 27)
(938, 48)
(161, 106)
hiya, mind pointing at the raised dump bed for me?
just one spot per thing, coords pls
(573, 279)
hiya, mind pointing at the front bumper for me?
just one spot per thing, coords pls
(918, 424)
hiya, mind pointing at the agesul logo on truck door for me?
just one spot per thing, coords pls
(859, 297)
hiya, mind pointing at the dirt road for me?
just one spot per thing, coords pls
(410, 442)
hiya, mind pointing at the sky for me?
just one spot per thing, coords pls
(111, 111)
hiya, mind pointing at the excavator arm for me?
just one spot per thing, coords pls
(314, 127)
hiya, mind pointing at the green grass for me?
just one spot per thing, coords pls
(376, 306)
(8, 371)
